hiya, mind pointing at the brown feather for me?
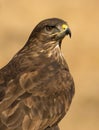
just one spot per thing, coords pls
(36, 87)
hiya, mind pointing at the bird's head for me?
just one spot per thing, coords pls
(51, 30)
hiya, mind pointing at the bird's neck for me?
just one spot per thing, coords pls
(49, 50)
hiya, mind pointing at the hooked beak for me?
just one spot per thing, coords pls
(63, 31)
(68, 32)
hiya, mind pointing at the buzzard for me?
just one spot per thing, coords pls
(36, 87)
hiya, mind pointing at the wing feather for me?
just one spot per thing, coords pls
(40, 104)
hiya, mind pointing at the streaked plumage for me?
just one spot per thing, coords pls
(36, 87)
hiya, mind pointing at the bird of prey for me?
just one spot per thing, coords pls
(36, 87)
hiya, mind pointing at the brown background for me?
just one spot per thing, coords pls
(18, 18)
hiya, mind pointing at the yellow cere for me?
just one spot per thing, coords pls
(64, 26)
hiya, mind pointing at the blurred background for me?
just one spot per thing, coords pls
(19, 17)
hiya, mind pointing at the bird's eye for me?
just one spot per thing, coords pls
(49, 28)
